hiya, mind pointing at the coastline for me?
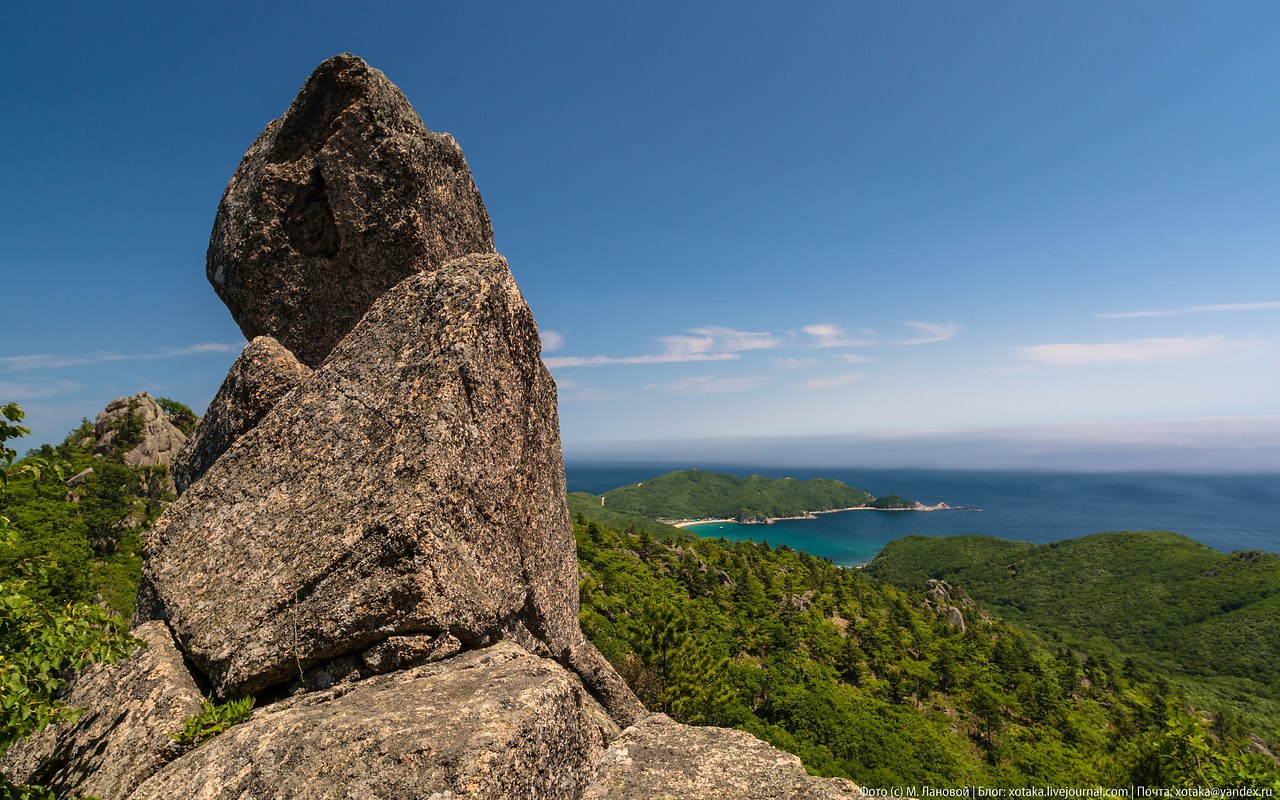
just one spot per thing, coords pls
(685, 523)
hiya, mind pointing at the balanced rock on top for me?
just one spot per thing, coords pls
(336, 202)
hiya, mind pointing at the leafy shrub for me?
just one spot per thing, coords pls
(213, 719)
(181, 415)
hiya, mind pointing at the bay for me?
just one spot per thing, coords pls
(1227, 512)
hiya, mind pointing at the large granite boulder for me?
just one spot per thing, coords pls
(492, 724)
(336, 202)
(124, 736)
(262, 374)
(412, 484)
(657, 758)
(140, 430)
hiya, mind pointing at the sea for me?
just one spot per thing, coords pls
(1227, 512)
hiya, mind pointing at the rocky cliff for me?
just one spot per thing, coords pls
(373, 540)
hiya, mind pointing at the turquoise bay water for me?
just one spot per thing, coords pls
(1226, 512)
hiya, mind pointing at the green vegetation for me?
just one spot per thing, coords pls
(44, 634)
(860, 680)
(584, 504)
(213, 719)
(181, 415)
(891, 502)
(695, 494)
(1207, 619)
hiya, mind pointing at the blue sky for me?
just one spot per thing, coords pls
(731, 220)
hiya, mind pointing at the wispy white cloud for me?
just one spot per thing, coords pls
(1139, 351)
(1175, 312)
(35, 389)
(854, 358)
(827, 335)
(795, 363)
(708, 343)
(930, 332)
(45, 361)
(551, 341)
(833, 381)
(708, 384)
(732, 340)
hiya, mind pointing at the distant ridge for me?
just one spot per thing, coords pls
(697, 494)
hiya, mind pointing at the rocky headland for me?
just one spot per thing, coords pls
(371, 538)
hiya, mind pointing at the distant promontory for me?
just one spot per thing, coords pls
(693, 495)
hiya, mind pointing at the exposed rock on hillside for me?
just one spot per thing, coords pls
(658, 758)
(140, 429)
(262, 374)
(337, 201)
(124, 737)
(494, 724)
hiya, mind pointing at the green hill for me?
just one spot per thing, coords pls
(695, 494)
(586, 505)
(863, 680)
(1210, 619)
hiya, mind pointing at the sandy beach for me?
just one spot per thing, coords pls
(684, 523)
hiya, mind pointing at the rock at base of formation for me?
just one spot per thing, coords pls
(337, 201)
(263, 373)
(141, 429)
(124, 736)
(412, 484)
(494, 724)
(658, 758)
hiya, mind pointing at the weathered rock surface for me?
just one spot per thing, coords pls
(494, 723)
(124, 737)
(659, 758)
(262, 374)
(336, 202)
(412, 484)
(155, 444)
(941, 599)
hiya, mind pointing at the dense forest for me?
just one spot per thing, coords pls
(865, 680)
(697, 494)
(1207, 619)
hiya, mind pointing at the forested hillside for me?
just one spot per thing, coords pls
(697, 494)
(1209, 619)
(863, 680)
(82, 513)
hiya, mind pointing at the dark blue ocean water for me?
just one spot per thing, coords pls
(1226, 512)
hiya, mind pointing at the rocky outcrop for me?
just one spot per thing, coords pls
(658, 758)
(412, 484)
(378, 549)
(337, 201)
(139, 430)
(492, 724)
(124, 736)
(262, 374)
(943, 599)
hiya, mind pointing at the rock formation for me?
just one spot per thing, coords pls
(140, 429)
(261, 375)
(422, 461)
(942, 598)
(377, 549)
(337, 201)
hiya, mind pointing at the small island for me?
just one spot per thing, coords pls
(693, 496)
